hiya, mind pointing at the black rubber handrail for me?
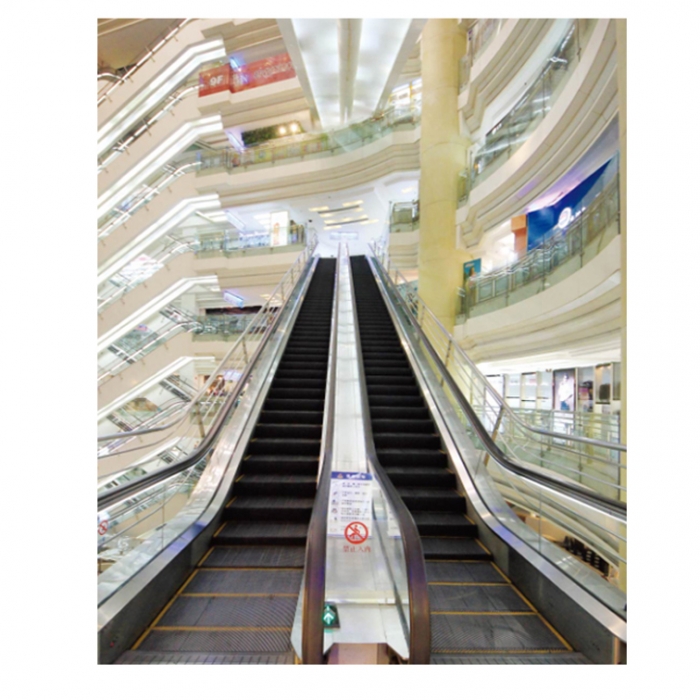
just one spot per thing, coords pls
(314, 593)
(417, 579)
(124, 491)
(610, 505)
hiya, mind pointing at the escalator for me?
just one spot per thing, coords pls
(238, 604)
(476, 614)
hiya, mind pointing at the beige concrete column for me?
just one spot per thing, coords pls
(442, 157)
(621, 38)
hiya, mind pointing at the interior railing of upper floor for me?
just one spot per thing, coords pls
(137, 504)
(577, 484)
(210, 242)
(268, 154)
(563, 252)
(149, 51)
(503, 139)
(479, 36)
(598, 464)
(196, 417)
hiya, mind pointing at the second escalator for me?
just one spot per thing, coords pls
(477, 614)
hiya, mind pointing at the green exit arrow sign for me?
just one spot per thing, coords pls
(330, 617)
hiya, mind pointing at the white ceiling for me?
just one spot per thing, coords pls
(347, 67)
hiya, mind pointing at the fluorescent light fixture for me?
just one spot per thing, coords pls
(318, 209)
(352, 204)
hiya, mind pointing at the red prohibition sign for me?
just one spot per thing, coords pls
(356, 533)
(103, 527)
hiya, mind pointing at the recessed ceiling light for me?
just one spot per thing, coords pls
(351, 204)
(318, 209)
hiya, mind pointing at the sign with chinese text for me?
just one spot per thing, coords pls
(350, 506)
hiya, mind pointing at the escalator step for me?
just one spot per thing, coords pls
(399, 402)
(441, 524)
(409, 457)
(453, 548)
(468, 633)
(256, 533)
(288, 430)
(262, 641)
(378, 380)
(284, 446)
(270, 509)
(402, 413)
(293, 405)
(291, 417)
(237, 611)
(245, 581)
(276, 485)
(463, 572)
(391, 390)
(421, 476)
(255, 556)
(470, 598)
(550, 659)
(384, 425)
(401, 441)
(280, 464)
(298, 393)
(173, 658)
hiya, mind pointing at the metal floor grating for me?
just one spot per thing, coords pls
(170, 658)
(511, 659)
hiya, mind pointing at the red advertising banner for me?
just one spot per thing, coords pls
(269, 70)
(215, 80)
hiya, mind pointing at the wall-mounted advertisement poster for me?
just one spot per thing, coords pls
(279, 228)
(564, 390)
(471, 269)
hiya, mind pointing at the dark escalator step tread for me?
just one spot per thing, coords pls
(301, 374)
(238, 611)
(261, 581)
(293, 405)
(391, 390)
(476, 599)
(279, 464)
(519, 633)
(401, 441)
(263, 641)
(463, 572)
(410, 456)
(272, 504)
(291, 417)
(283, 446)
(399, 425)
(442, 524)
(399, 412)
(266, 556)
(296, 393)
(378, 380)
(421, 477)
(297, 485)
(186, 658)
(393, 363)
(288, 430)
(259, 533)
(551, 659)
(302, 365)
(453, 548)
(388, 371)
(387, 400)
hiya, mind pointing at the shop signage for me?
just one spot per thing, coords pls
(264, 72)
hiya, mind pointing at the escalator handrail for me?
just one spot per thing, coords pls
(417, 579)
(612, 506)
(314, 593)
(252, 324)
(147, 480)
(615, 446)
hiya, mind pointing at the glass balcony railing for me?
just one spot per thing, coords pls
(515, 128)
(267, 154)
(559, 256)
(479, 36)
(404, 216)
